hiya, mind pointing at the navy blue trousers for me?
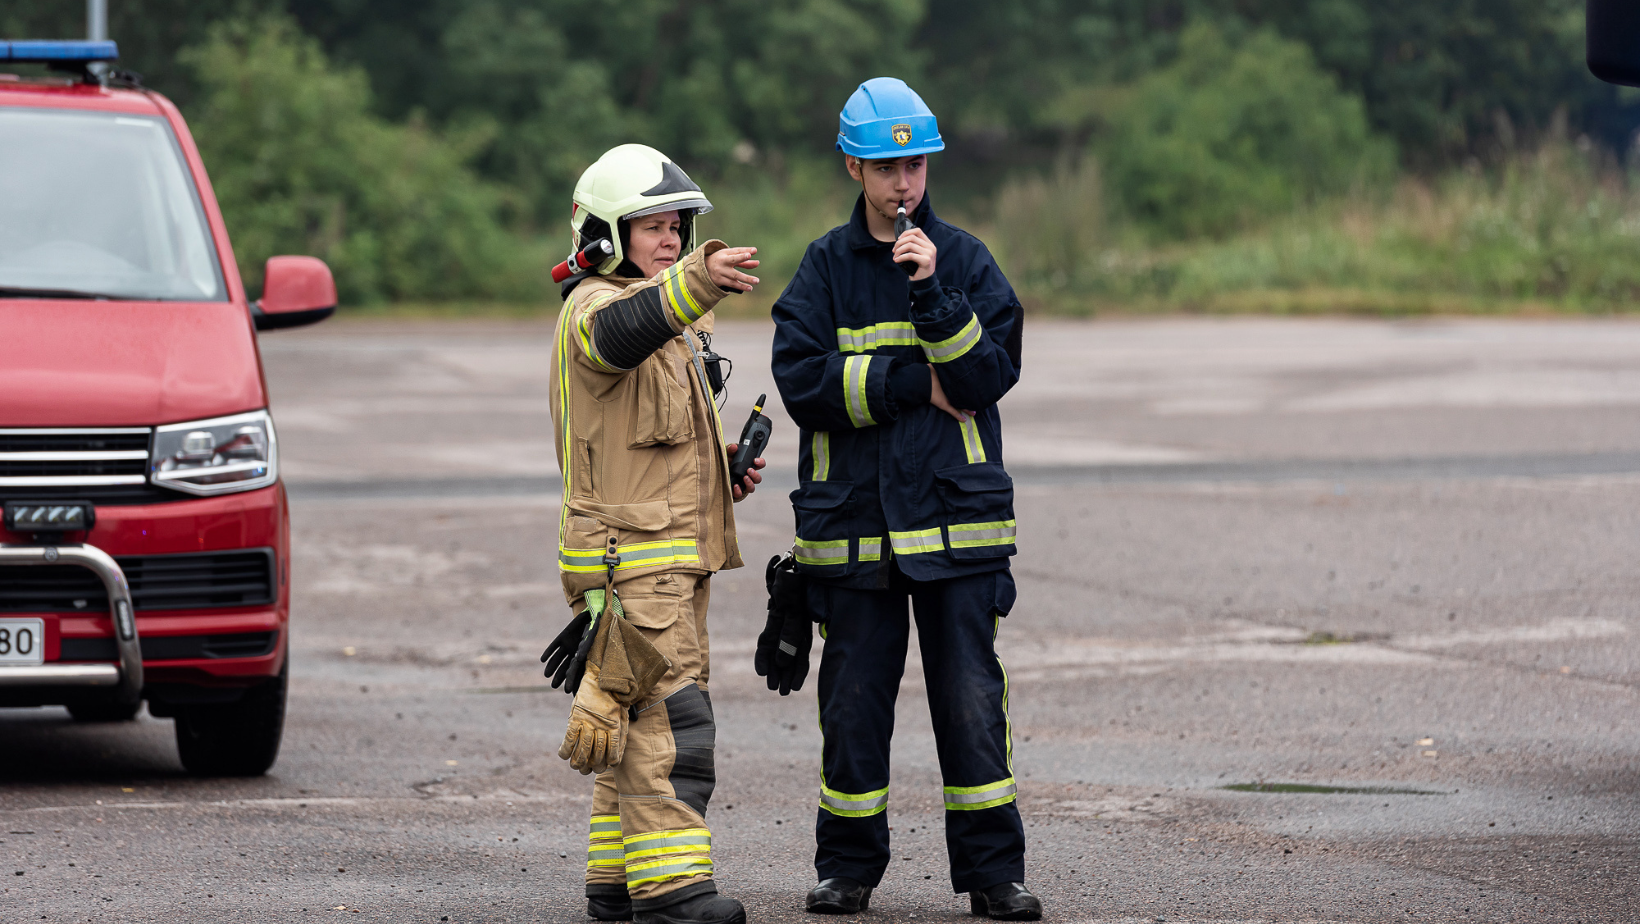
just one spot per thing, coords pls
(866, 633)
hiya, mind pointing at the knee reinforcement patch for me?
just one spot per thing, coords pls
(694, 734)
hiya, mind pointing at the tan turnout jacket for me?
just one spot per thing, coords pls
(642, 450)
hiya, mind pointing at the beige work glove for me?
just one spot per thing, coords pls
(596, 738)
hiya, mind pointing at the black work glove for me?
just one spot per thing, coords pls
(783, 645)
(566, 657)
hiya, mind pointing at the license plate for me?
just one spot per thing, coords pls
(22, 641)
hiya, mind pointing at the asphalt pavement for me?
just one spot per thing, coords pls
(1319, 620)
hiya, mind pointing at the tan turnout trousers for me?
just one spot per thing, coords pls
(649, 830)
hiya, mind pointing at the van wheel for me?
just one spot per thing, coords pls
(104, 712)
(235, 739)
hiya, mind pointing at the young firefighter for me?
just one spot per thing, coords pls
(647, 515)
(894, 382)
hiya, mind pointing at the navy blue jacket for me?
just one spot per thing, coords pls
(884, 473)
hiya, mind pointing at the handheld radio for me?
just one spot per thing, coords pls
(902, 224)
(753, 440)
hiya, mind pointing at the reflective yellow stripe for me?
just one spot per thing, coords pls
(916, 541)
(677, 292)
(820, 450)
(606, 855)
(866, 339)
(977, 535)
(567, 453)
(856, 369)
(946, 350)
(583, 326)
(853, 805)
(637, 555)
(973, 798)
(662, 843)
(606, 826)
(662, 870)
(822, 552)
(971, 443)
(871, 548)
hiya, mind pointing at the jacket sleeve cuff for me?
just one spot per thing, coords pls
(909, 385)
(688, 288)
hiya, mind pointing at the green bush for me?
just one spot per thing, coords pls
(300, 165)
(1227, 136)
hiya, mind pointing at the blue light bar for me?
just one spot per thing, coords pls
(46, 52)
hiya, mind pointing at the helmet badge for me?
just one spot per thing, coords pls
(902, 134)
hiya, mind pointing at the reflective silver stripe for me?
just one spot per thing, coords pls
(607, 855)
(946, 350)
(677, 843)
(916, 541)
(856, 370)
(871, 548)
(606, 825)
(865, 339)
(974, 535)
(825, 552)
(789, 648)
(853, 805)
(971, 443)
(820, 449)
(961, 798)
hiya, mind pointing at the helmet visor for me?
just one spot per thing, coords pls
(698, 206)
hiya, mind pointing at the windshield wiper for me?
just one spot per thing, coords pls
(25, 292)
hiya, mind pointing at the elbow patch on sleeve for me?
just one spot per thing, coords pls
(626, 331)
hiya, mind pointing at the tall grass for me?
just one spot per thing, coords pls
(1556, 228)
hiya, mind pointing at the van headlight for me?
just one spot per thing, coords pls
(217, 456)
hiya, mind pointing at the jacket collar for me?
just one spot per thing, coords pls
(859, 236)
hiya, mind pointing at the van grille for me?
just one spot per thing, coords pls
(243, 577)
(100, 457)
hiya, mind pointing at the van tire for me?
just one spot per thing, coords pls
(234, 739)
(104, 712)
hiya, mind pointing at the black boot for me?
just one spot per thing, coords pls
(839, 895)
(1007, 901)
(698, 904)
(609, 903)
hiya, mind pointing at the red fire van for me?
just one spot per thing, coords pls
(145, 547)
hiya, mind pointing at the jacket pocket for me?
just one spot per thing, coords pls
(662, 415)
(583, 469)
(648, 610)
(647, 517)
(979, 508)
(823, 520)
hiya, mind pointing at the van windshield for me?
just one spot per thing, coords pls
(100, 205)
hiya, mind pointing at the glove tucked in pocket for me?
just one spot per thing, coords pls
(621, 667)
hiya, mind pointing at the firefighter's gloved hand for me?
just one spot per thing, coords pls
(567, 649)
(596, 738)
(783, 645)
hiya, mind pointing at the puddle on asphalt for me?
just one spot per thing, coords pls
(1330, 790)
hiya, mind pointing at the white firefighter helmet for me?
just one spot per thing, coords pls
(628, 182)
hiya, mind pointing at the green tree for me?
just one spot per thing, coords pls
(1227, 135)
(301, 165)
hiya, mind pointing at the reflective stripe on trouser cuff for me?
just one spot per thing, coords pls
(976, 535)
(851, 805)
(970, 798)
(637, 555)
(820, 450)
(609, 854)
(915, 541)
(856, 369)
(661, 843)
(865, 339)
(871, 548)
(663, 870)
(972, 445)
(606, 826)
(946, 350)
(825, 552)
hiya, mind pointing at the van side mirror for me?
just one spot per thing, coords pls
(1613, 35)
(295, 291)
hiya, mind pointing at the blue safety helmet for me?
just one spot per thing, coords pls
(885, 118)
